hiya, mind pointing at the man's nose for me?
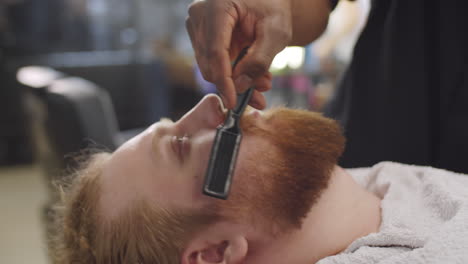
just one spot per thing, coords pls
(207, 114)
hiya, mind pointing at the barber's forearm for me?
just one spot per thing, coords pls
(310, 19)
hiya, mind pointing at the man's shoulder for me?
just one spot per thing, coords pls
(423, 208)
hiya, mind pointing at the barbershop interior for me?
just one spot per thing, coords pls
(84, 75)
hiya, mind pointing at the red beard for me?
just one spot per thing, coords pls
(281, 183)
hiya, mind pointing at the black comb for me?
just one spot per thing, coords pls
(224, 151)
(225, 148)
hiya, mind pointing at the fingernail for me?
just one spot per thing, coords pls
(243, 83)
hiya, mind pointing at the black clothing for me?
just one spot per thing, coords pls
(404, 96)
(333, 4)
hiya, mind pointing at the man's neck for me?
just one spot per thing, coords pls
(344, 212)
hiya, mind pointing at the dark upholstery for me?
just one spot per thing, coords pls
(79, 111)
(75, 114)
(139, 92)
(70, 114)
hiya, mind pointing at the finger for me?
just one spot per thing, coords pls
(243, 36)
(196, 47)
(263, 83)
(271, 38)
(218, 34)
(258, 100)
(191, 33)
(194, 26)
(194, 22)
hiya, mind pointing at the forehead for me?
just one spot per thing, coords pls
(144, 168)
(131, 173)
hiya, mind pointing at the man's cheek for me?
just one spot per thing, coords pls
(201, 154)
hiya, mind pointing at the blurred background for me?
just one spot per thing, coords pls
(92, 73)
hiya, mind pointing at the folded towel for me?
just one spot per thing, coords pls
(424, 217)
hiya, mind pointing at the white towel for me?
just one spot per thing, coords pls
(424, 217)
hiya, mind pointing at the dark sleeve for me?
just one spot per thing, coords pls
(333, 4)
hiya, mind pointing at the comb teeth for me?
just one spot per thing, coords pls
(221, 168)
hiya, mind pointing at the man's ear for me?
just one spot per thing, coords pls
(230, 250)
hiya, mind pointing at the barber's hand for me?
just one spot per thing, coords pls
(220, 29)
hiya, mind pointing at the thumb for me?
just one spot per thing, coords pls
(270, 39)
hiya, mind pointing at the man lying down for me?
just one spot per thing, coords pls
(289, 204)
